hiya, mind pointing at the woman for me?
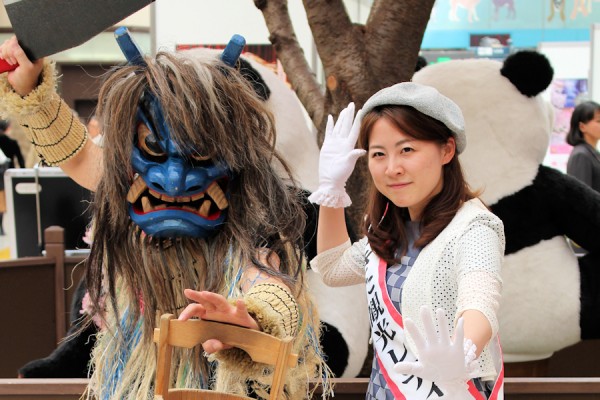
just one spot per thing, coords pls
(429, 244)
(584, 161)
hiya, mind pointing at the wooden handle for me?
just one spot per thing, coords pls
(5, 66)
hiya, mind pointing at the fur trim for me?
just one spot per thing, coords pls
(13, 106)
(49, 122)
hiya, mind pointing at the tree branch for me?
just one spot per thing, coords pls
(341, 48)
(289, 52)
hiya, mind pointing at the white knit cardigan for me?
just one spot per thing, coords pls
(458, 271)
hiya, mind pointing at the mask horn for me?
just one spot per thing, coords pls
(233, 50)
(129, 47)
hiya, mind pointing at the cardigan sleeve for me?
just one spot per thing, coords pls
(343, 265)
(479, 259)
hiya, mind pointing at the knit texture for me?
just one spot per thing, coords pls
(458, 271)
(51, 126)
(274, 308)
(426, 100)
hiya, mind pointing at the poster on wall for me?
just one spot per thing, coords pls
(565, 94)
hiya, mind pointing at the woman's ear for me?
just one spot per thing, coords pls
(448, 150)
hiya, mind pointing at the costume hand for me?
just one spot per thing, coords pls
(214, 307)
(337, 159)
(26, 76)
(442, 360)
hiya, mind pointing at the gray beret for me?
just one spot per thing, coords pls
(426, 100)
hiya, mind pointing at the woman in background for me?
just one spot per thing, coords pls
(584, 161)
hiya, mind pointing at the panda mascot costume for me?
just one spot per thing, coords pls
(550, 298)
(345, 327)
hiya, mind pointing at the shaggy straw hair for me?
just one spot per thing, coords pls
(213, 111)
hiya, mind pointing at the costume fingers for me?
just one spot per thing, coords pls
(214, 301)
(212, 346)
(19, 55)
(193, 295)
(192, 310)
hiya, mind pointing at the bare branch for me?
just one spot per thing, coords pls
(289, 52)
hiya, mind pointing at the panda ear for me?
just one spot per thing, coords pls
(255, 79)
(529, 71)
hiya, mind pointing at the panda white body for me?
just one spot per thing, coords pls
(343, 310)
(507, 137)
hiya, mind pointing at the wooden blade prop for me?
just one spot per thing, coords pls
(45, 27)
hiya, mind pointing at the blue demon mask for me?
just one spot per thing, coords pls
(174, 192)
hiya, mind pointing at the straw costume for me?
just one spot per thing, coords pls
(188, 198)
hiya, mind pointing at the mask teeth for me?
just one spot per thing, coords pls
(137, 188)
(204, 208)
(216, 193)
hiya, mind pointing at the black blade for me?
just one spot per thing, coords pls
(45, 27)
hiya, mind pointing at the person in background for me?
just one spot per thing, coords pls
(430, 244)
(9, 146)
(584, 133)
(94, 131)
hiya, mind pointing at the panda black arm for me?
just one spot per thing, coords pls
(575, 207)
(554, 204)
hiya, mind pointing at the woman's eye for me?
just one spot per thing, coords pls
(147, 141)
(407, 149)
(377, 154)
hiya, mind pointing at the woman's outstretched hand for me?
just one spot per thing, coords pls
(214, 307)
(447, 362)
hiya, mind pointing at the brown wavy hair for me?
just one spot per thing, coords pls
(212, 109)
(386, 229)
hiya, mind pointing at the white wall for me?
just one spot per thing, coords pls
(595, 67)
(177, 22)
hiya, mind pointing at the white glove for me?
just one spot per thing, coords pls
(442, 360)
(337, 159)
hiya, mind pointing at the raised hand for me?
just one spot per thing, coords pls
(25, 77)
(447, 362)
(337, 159)
(214, 307)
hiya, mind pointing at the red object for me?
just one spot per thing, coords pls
(5, 66)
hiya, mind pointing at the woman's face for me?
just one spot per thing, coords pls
(405, 170)
(591, 129)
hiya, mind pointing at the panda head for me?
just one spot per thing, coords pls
(507, 122)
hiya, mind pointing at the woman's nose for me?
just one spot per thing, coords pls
(394, 167)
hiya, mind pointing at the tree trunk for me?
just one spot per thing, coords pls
(358, 60)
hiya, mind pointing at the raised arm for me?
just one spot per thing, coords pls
(336, 162)
(28, 96)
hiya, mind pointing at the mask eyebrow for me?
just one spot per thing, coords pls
(146, 105)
